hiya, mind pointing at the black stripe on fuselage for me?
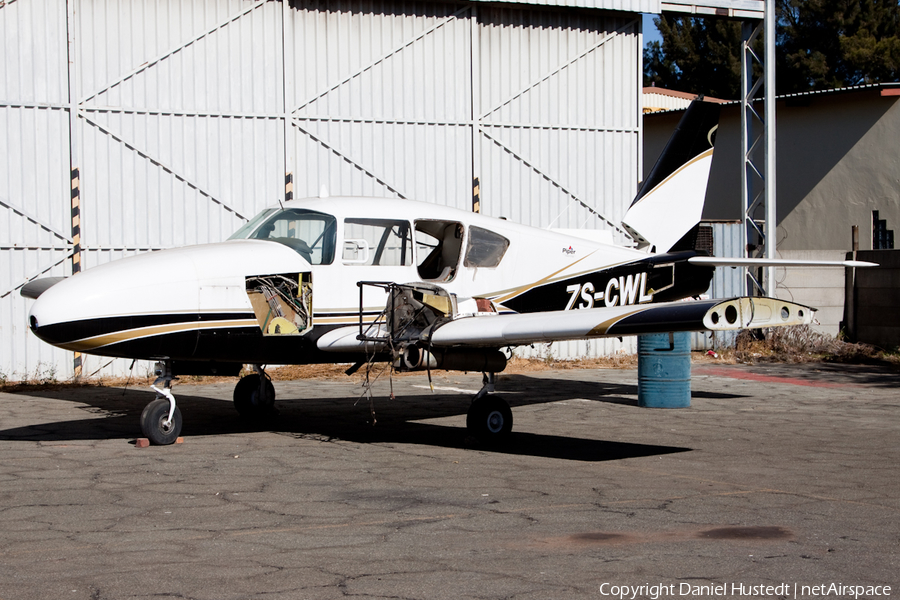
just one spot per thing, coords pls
(684, 281)
(71, 331)
(239, 343)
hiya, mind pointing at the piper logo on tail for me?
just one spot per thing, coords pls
(619, 291)
(570, 250)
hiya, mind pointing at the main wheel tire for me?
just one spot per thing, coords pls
(489, 419)
(153, 423)
(250, 401)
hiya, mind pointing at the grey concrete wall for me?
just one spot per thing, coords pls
(821, 288)
(878, 299)
(838, 159)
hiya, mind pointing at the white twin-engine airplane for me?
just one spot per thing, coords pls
(354, 280)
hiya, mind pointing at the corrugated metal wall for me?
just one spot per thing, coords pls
(189, 114)
(727, 282)
(35, 220)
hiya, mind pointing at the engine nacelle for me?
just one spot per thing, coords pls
(413, 358)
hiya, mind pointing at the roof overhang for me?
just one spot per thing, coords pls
(738, 9)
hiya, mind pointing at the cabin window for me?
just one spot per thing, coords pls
(377, 242)
(310, 234)
(485, 248)
(438, 248)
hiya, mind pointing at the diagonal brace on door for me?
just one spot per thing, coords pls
(555, 184)
(163, 166)
(402, 46)
(36, 221)
(172, 51)
(565, 65)
(346, 158)
(34, 275)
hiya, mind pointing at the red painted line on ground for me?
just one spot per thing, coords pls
(738, 374)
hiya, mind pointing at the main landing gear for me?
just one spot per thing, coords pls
(254, 395)
(161, 419)
(489, 419)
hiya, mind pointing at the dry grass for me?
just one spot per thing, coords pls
(800, 344)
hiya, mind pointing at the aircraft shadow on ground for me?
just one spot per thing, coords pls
(347, 418)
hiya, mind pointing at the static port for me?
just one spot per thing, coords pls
(785, 313)
(731, 314)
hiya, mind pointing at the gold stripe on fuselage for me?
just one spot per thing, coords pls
(552, 278)
(127, 335)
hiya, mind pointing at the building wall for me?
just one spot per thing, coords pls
(183, 118)
(838, 159)
(877, 320)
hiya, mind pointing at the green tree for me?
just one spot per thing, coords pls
(820, 44)
(825, 44)
(696, 55)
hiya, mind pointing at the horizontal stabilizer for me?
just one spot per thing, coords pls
(715, 261)
(35, 288)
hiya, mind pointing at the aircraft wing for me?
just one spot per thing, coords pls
(495, 331)
(715, 261)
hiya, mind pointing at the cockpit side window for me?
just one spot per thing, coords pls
(377, 242)
(438, 247)
(310, 234)
(485, 249)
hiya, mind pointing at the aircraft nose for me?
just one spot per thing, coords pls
(155, 304)
(91, 309)
(44, 320)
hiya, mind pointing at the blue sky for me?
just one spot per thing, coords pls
(650, 32)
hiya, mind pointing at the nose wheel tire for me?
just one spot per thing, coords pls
(489, 419)
(155, 423)
(253, 401)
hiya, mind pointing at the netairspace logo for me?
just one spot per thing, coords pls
(738, 590)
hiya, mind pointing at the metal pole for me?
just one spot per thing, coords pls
(771, 215)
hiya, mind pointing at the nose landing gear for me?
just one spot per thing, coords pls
(161, 419)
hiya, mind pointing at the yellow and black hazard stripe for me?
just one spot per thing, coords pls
(78, 362)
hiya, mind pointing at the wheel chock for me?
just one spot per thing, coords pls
(145, 442)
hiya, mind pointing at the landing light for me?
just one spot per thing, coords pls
(731, 314)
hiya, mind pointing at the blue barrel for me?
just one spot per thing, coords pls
(664, 370)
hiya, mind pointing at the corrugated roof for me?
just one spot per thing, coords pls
(887, 89)
(747, 9)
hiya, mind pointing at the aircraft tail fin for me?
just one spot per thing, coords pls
(670, 201)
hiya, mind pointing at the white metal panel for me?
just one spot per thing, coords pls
(559, 132)
(35, 221)
(386, 110)
(180, 129)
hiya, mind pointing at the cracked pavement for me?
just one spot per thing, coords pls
(776, 474)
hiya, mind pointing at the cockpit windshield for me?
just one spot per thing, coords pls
(311, 234)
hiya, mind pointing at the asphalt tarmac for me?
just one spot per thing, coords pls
(776, 476)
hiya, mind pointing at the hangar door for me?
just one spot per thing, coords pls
(174, 121)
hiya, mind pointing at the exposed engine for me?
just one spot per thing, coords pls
(413, 312)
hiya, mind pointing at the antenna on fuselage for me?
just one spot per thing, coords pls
(323, 191)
